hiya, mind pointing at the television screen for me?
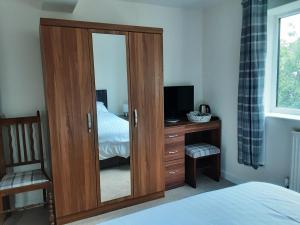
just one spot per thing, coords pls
(178, 101)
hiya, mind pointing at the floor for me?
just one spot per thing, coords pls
(115, 183)
(40, 216)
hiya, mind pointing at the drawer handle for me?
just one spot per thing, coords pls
(172, 172)
(173, 152)
(173, 136)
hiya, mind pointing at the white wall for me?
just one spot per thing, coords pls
(21, 81)
(110, 69)
(222, 32)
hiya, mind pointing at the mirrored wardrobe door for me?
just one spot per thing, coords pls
(113, 123)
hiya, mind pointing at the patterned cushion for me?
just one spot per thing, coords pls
(201, 150)
(21, 179)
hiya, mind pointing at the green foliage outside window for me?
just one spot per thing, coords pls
(288, 92)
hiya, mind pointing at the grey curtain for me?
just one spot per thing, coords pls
(251, 83)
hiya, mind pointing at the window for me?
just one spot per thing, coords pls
(288, 72)
(283, 60)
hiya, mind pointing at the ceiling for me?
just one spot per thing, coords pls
(179, 3)
(59, 5)
(69, 5)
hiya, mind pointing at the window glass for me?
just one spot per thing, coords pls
(288, 86)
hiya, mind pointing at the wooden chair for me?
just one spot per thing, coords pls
(21, 145)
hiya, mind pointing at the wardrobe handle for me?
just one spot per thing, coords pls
(135, 118)
(89, 122)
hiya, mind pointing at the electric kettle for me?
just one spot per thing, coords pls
(204, 109)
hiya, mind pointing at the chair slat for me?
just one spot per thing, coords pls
(11, 150)
(40, 143)
(18, 143)
(31, 142)
(24, 143)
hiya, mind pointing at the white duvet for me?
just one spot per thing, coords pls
(247, 204)
(113, 136)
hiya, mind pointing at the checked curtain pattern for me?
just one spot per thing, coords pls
(251, 83)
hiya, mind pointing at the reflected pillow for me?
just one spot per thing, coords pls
(101, 107)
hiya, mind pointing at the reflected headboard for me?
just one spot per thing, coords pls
(101, 96)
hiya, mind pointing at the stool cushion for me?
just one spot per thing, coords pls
(21, 179)
(201, 150)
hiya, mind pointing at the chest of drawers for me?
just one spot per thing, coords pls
(174, 157)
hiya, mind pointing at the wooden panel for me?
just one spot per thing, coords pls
(146, 79)
(174, 173)
(194, 127)
(174, 130)
(98, 26)
(68, 91)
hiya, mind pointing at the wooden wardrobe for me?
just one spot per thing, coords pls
(70, 98)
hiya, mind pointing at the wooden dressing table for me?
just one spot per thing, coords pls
(182, 133)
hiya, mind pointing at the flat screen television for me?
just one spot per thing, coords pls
(178, 101)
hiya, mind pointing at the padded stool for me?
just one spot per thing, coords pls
(202, 152)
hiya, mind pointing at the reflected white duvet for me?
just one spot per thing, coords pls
(113, 136)
(247, 204)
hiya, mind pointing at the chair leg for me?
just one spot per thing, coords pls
(51, 208)
(45, 196)
(191, 171)
(2, 216)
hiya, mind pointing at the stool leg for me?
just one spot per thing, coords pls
(190, 171)
(216, 169)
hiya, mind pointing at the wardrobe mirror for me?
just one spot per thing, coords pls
(110, 68)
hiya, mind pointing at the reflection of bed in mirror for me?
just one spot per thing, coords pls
(113, 135)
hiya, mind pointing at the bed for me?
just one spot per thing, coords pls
(247, 204)
(113, 131)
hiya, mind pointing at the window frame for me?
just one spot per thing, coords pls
(275, 63)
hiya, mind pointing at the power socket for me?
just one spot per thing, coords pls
(287, 182)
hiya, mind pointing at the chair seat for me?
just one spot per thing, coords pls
(201, 150)
(21, 179)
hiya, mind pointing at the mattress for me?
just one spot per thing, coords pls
(113, 136)
(247, 204)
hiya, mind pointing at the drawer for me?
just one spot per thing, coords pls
(174, 135)
(174, 139)
(173, 152)
(174, 173)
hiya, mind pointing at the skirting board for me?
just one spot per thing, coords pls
(238, 180)
(232, 178)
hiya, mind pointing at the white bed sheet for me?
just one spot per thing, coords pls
(247, 204)
(113, 136)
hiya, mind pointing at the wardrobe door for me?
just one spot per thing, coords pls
(146, 75)
(68, 92)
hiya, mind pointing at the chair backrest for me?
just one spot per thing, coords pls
(21, 142)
